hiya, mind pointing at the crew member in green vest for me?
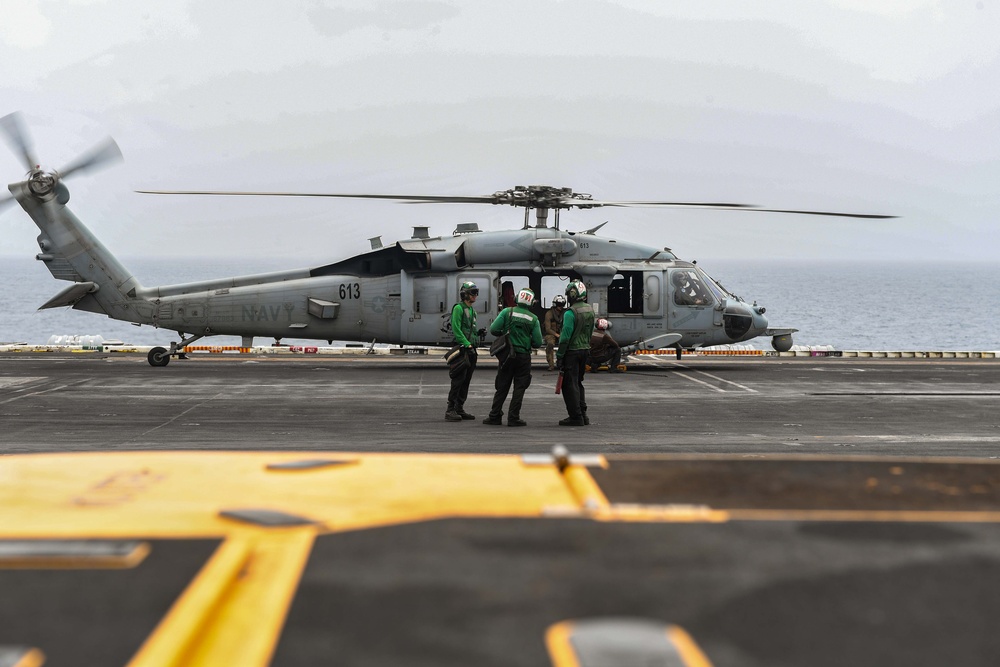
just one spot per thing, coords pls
(463, 327)
(574, 348)
(524, 333)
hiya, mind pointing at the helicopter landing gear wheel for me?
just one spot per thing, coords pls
(782, 343)
(680, 352)
(158, 356)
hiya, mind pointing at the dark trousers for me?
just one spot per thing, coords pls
(516, 371)
(611, 357)
(460, 383)
(574, 369)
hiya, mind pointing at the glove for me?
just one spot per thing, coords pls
(559, 364)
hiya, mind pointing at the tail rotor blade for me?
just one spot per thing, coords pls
(18, 139)
(105, 152)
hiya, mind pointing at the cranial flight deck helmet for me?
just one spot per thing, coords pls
(559, 301)
(468, 289)
(526, 298)
(576, 291)
(603, 324)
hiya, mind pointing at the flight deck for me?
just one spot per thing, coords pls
(256, 510)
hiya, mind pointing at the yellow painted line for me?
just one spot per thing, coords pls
(246, 627)
(689, 651)
(30, 658)
(557, 642)
(180, 494)
(914, 516)
(561, 652)
(665, 513)
(176, 635)
(232, 613)
(78, 562)
(585, 489)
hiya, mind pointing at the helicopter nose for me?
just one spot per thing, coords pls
(743, 321)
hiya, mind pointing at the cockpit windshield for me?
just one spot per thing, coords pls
(694, 287)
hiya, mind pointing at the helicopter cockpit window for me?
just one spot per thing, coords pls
(690, 289)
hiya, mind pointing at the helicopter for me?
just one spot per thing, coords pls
(400, 293)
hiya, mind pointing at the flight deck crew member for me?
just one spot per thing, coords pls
(524, 334)
(552, 327)
(463, 327)
(603, 348)
(574, 348)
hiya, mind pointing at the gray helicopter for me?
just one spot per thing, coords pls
(401, 293)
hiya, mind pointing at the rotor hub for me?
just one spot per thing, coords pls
(542, 196)
(41, 183)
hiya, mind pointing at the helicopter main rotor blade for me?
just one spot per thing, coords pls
(867, 216)
(594, 203)
(18, 139)
(106, 151)
(540, 197)
(413, 199)
(718, 206)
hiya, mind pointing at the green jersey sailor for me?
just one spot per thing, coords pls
(524, 333)
(574, 348)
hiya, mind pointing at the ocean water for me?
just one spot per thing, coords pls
(848, 305)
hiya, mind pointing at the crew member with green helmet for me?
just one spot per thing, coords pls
(463, 327)
(574, 348)
(524, 333)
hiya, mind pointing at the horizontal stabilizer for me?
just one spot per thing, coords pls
(70, 295)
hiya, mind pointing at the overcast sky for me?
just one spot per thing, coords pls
(887, 106)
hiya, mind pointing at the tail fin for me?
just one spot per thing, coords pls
(69, 249)
(71, 252)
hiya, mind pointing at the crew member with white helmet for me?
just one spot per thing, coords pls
(603, 348)
(524, 333)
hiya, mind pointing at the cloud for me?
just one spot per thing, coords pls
(24, 26)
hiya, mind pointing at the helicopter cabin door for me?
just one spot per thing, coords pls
(425, 307)
(426, 302)
(652, 294)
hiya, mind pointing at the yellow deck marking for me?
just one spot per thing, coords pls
(689, 651)
(233, 611)
(561, 653)
(557, 642)
(179, 494)
(31, 658)
(585, 489)
(926, 516)
(177, 634)
(665, 513)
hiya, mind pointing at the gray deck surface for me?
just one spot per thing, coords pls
(829, 406)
